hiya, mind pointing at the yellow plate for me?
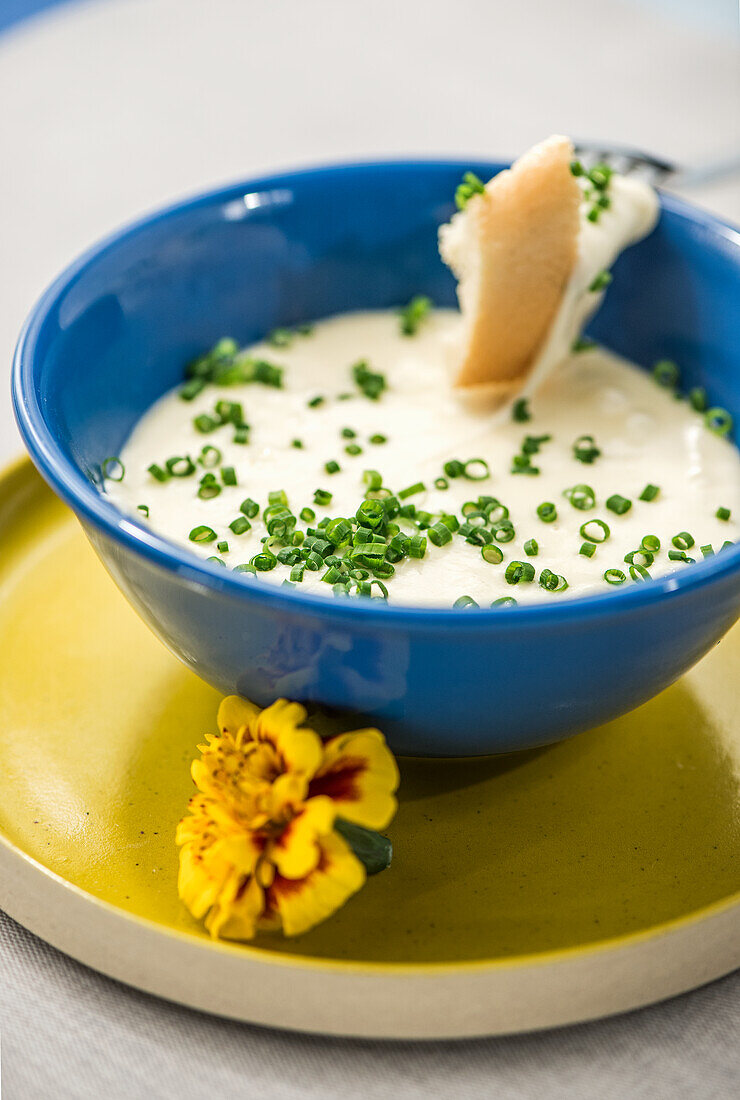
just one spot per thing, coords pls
(526, 891)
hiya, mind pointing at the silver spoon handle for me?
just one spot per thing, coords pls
(654, 170)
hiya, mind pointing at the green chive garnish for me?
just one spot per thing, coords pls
(614, 576)
(322, 497)
(651, 543)
(222, 547)
(639, 573)
(298, 444)
(698, 399)
(471, 185)
(378, 438)
(353, 449)
(582, 343)
(504, 601)
(594, 530)
(315, 402)
(144, 509)
(680, 555)
(531, 548)
(492, 554)
(518, 572)
(209, 487)
(618, 504)
(683, 540)
(202, 534)
(650, 492)
(417, 487)
(552, 582)
(228, 475)
(581, 497)
(240, 525)
(332, 467)
(723, 513)
(601, 281)
(666, 373)
(718, 420)
(520, 411)
(588, 549)
(547, 512)
(585, 449)
(707, 550)
(414, 313)
(249, 508)
(369, 382)
(441, 483)
(465, 601)
(476, 469)
(158, 473)
(113, 469)
(205, 423)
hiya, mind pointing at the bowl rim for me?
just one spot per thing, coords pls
(92, 507)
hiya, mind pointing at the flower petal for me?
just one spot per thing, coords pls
(297, 850)
(359, 774)
(299, 749)
(237, 911)
(234, 713)
(303, 903)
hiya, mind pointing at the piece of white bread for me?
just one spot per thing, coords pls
(512, 250)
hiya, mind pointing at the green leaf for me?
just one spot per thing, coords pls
(372, 849)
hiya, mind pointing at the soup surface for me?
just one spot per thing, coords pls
(541, 500)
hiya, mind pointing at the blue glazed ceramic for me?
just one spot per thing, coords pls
(112, 334)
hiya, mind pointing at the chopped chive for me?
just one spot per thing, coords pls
(298, 444)
(158, 473)
(476, 469)
(417, 487)
(441, 483)
(582, 343)
(723, 513)
(547, 511)
(680, 555)
(296, 573)
(353, 449)
(504, 601)
(205, 423)
(322, 497)
(144, 509)
(650, 492)
(279, 338)
(378, 439)
(683, 540)
(581, 497)
(348, 433)
(264, 562)
(618, 504)
(471, 185)
(332, 467)
(216, 561)
(520, 410)
(439, 534)
(192, 388)
(587, 531)
(492, 554)
(240, 525)
(503, 530)
(413, 314)
(727, 543)
(315, 402)
(666, 373)
(639, 573)
(552, 582)
(371, 479)
(209, 487)
(718, 420)
(601, 281)
(531, 548)
(222, 547)
(369, 382)
(228, 475)
(249, 507)
(209, 456)
(113, 469)
(202, 534)
(417, 546)
(707, 550)
(454, 468)
(518, 572)
(307, 515)
(614, 576)
(585, 449)
(650, 543)
(639, 557)
(246, 567)
(588, 549)
(698, 399)
(465, 601)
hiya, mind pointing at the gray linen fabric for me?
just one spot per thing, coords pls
(69, 1034)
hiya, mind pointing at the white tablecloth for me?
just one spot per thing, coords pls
(110, 107)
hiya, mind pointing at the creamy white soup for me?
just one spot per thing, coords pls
(350, 466)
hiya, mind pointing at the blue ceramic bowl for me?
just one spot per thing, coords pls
(112, 334)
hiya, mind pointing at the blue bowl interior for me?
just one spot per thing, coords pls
(297, 247)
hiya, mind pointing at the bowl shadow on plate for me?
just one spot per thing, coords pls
(613, 831)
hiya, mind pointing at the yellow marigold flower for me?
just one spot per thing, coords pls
(259, 848)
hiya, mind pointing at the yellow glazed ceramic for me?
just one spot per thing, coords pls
(525, 891)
